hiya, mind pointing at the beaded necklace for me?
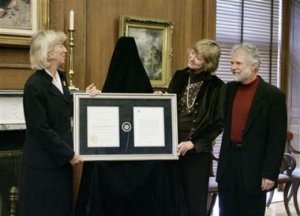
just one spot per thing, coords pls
(188, 104)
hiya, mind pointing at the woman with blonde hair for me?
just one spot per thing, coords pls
(48, 156)
(200, 97)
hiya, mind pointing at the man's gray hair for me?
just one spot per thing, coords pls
(252, 51)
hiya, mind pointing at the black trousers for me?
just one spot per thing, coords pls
(194, 177)
(234, 200)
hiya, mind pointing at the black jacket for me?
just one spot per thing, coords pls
(264, 135)
(208, 112)
(48, 113)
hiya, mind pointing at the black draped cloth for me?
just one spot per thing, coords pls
(126, 73)
(133, 188)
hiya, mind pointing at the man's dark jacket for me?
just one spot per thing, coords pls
(264, 135)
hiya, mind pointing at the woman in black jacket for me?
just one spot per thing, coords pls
(48, 153)
(200, 98)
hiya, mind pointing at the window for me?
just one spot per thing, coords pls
(294, 75)
(253, 21)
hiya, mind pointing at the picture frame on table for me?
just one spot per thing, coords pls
(20, 19)
(120, 127)
(153, 38)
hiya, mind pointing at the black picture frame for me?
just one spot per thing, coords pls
(160, 112)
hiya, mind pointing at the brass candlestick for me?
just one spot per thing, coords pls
(71, 71)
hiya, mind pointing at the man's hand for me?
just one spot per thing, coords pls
(266, 184)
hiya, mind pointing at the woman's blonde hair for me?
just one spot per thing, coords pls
(210, 51)
(41, 43)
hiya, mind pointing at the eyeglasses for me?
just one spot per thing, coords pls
(193, 54)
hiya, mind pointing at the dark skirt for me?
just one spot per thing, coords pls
(46, 192)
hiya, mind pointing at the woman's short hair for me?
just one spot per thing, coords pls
(252, 51)
(41, 43)
(210, 51)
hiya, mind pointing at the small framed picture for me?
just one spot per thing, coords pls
(154, 41)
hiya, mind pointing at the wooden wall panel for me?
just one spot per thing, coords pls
(14, 67)
(56, 14)
(103, 22)
(97, 24)
(13, 78)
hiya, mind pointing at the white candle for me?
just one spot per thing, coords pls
(71, 24)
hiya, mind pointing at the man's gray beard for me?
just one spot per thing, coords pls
(241, 77)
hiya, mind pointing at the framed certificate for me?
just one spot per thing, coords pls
(114, 126)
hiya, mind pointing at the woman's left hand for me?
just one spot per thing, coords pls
(92, 90)
(184, 147)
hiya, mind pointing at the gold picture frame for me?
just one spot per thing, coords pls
(20, 19)
(154, 41)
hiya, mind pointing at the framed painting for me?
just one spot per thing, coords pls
(154, 41)
(20, 19)
(111, 126)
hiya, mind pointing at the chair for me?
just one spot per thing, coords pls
(212, 188)
(285, 177)
(296, 172)
(289, 177)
